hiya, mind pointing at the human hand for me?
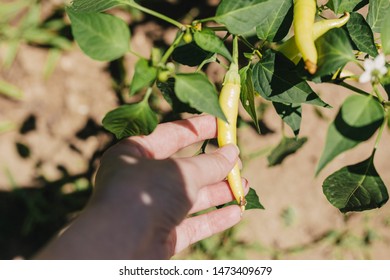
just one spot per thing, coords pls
(143, 196)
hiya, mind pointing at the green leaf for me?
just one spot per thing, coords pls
(356, 187)
(144, 75)
(361, 34)
(291, 114)
(358, 119)
(385, 34)
(252, 199)
(100, 36)
(334, 51)
(168, 92)
(190, 54)
(10, 90)
(196, 90)
(377, 11)
(285, 148)
(248, 94)
(275, 79)
(242, 16)
(130, 120)
(88, 6)
(275, 28)
(341, 6)
(208, 41)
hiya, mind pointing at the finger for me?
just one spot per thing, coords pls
(217, 194)
(208, 169)
(168, 138)
(193, 229)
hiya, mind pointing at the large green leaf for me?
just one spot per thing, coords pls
(130, 120)
(144, 75)
(291, 114)
(377, 11)
(168, 92)
(361, 34)
(196, 90)
(100, 36)
(275, 79)
(190, 54)
(242, 16)
(358, 119)
(334, 51)
(248, 94)
(88, 6)
(341, 6)
(275, 28)
(356, 187)
(285, 148)
(208, 41)
(385, 33)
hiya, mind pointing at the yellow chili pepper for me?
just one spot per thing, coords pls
(290, 49)
(304, 16)
(227, 132)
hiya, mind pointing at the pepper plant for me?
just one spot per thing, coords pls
(267, 71)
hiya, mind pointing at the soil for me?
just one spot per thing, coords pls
(57, 135)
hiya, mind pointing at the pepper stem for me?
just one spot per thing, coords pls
(232, 75)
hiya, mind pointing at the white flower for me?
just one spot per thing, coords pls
(373, 69)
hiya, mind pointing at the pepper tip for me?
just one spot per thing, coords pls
(243, 203)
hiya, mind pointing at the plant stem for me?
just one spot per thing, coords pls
(133, 4)
(135, 53)
(378, 94)
(235, 49)
(359, 64)
(147, 95)
(217, 28)
(204, 20)
(378, 138)
(172, 47)
(386, 103)
(247, 43)
(355, 89)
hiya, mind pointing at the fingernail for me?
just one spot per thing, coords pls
(230, 151)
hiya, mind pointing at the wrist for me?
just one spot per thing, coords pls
(133, 227)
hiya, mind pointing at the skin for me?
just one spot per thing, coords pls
(227, 131)
(304, 16)
(143, 197)
(290, 49)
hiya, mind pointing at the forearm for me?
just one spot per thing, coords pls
(109, 231)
